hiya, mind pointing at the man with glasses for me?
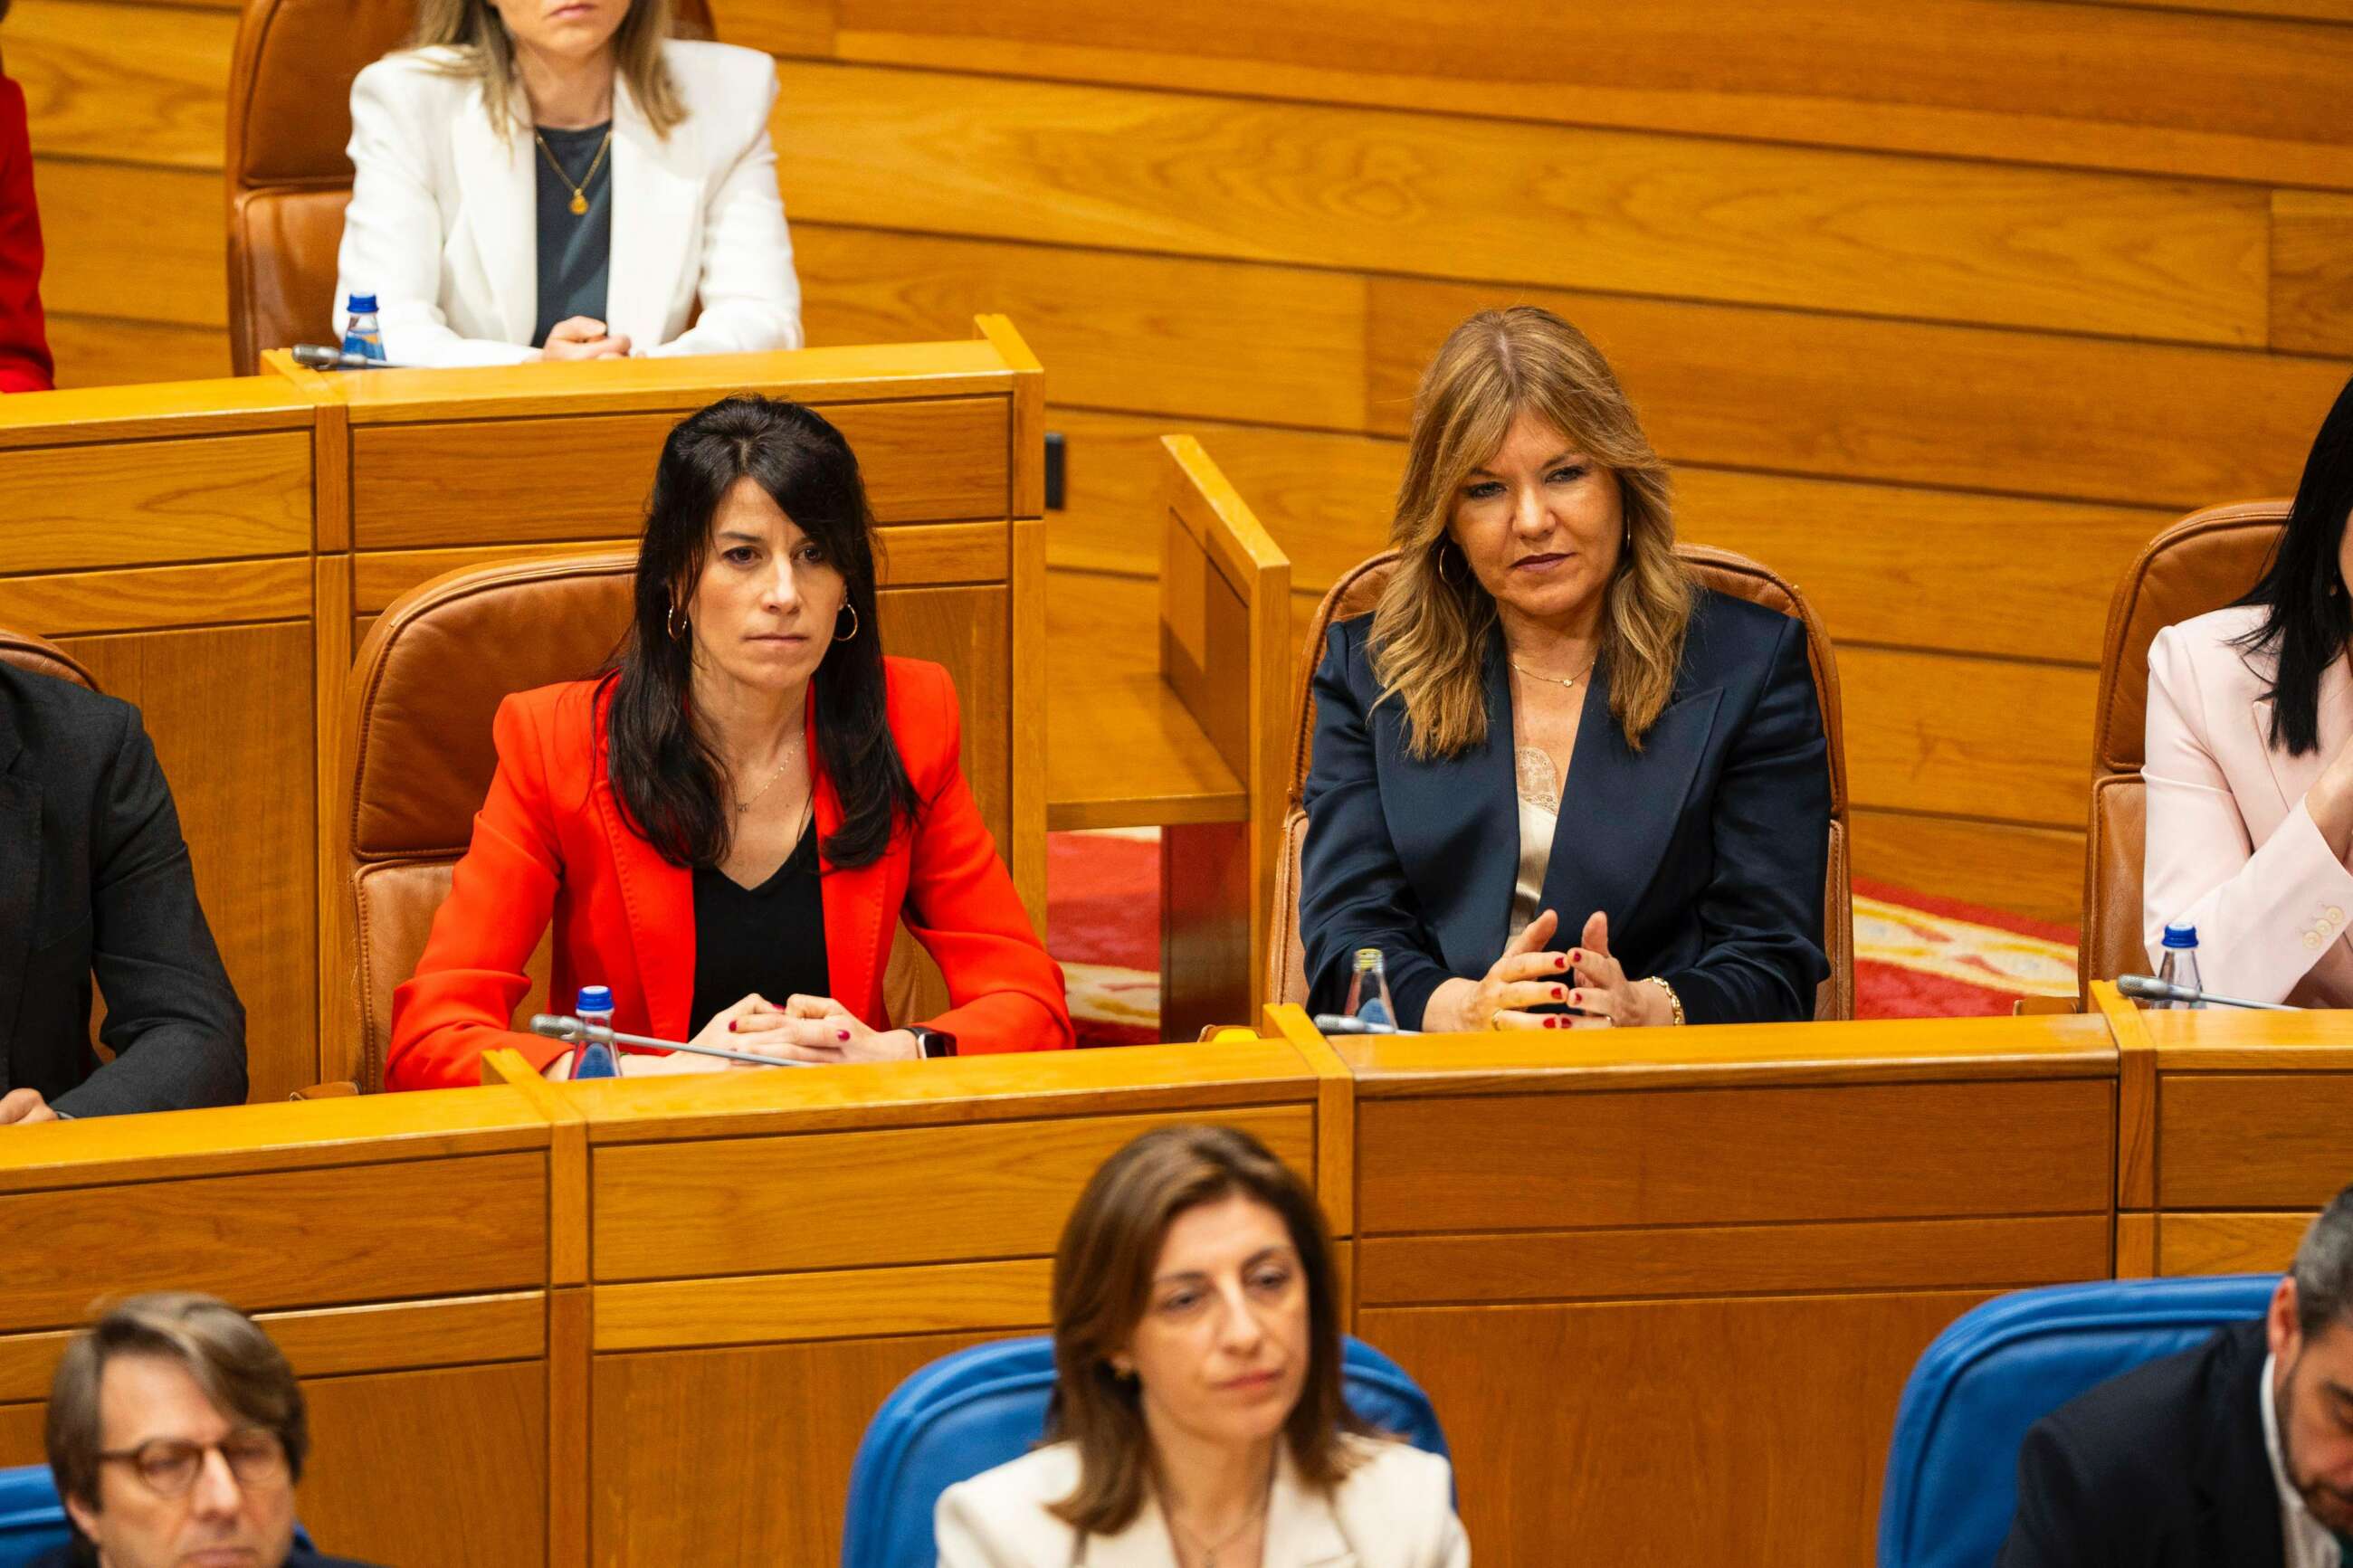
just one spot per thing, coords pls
(176, 1433)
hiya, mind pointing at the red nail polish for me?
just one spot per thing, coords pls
(1556, 1023)
(1558, 991)
(844, 1036)
(1577, 997)
(731, 1026)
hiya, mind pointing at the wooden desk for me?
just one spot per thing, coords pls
(1665, 1287)
(2233, 1130)
(396, 1247)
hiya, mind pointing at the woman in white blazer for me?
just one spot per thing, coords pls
(2250, 761)
(1197, 1418)
(654, 150)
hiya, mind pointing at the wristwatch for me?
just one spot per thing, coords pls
(932, 1042)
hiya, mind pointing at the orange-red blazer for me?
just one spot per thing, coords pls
(549, 842)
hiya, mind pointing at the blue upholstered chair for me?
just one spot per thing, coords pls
(1952, 1467)
(32, 1520)
(980, 1407)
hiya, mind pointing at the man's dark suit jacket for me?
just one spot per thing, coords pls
(2162, 1467)
(1706, 848)
(94, 878)
(74, 1554)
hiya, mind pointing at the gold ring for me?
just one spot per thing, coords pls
(1495, 1020)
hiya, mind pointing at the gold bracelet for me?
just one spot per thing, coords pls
(1673, 1001)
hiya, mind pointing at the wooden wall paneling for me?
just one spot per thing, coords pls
(1963, 736)
(1335, 1116)
(216, 702)
(158, 598)
(90, 350)
(1909, 402)
(2228, 1242)
(339, 1044)
(1970, 78)
(128, 243)
(1027, 597)
(2251, 1139)
(570, 1429)
(2312, 272)
(2036, 871)
(2135, 1246)
(123, 83)
(826, 1304)
(206, 499)
(1449, 197)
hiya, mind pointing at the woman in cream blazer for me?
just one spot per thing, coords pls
(2250, 762)
(1198, 1419)
(441, 226)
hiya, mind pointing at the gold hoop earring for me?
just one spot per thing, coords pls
(680, 626)
(852, 633)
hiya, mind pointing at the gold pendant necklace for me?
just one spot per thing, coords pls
(579, 202)
(1554, 679)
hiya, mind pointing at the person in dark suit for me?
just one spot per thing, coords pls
(95, 882)
(2238, 1454)
(94, 878)
(1545, 716)
(176, 1433)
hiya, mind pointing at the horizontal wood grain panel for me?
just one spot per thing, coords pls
(142, 502)
(933, 1194)
(2138, 424)
(133, 244)
(1731, 1261)
(906, 555)
(829, 1304)
(2036, 871)
(2229, 1243)
(92, 351)
(71, 603)
(428, 1227)
(2312, 272)
(131, 84)
(1987, 78)
(938, 460)
(1215, 339)
(1977, 737)
(2247, 1141)
(1732, 1157)
(1785, 1404)
(336, 1341)
(1479, 198)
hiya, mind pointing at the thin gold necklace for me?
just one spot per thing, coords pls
(790, 753)
(1208, 1552)
(1569, 681)
(579, 202)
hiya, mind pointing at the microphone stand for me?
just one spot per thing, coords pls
(2148, 988)
(574, 1031)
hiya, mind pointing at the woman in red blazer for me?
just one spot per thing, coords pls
(728, 824)
(24, 364)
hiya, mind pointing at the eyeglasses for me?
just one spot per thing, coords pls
(169, 1466)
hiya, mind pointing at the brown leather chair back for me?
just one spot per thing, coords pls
(422, 693)
(1356, 593)
(290, 118)
(27, 651)
(2206, 560)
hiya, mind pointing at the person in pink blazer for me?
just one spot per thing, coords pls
(2250, 768)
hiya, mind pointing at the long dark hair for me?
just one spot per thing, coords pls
(664, 772)
(2309, 615)
(1102, 1286)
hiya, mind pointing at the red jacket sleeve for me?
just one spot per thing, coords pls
(25, 363)
(1005, 993)
(460, 1000)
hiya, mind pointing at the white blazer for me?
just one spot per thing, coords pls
(1394, 1510)
(2232, 849)
(443, 224)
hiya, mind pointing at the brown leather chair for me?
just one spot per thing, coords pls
(290, 118)
(2206, 560)
(1356, 593)
(27, 651)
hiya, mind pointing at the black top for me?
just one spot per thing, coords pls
(769, 939)
(2162, 1467)
(1707, 848)
(575, 249)
(94, 878)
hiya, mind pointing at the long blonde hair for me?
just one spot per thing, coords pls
(1430, 630)
(485, 53)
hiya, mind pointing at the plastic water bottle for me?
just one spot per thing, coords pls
(2180, 965)
(594, 1058)
(1369, 990)
(363, 334)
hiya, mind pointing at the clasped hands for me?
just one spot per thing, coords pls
(583, 337)
(1530, 975)
(805, 1030)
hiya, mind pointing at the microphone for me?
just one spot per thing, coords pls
(572, 1031)
(1342, 1024)
(319, 356)
(2148, 988)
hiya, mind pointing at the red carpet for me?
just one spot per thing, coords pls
(1916, 955)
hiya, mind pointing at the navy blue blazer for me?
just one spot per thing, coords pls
(1707, 848)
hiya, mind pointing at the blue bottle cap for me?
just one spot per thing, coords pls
(2181, 934)
(595, 999)
(360, 305)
